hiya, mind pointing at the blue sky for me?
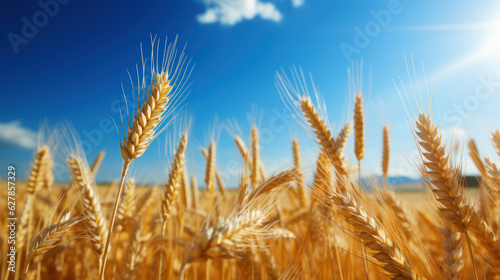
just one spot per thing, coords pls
(72, 67)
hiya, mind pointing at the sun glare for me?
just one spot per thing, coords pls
(492, 44)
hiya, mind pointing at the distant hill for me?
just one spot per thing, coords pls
(395, 180)
(409, 183)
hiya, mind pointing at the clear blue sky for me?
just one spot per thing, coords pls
(72, 66)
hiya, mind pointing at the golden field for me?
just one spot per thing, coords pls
(284, 225)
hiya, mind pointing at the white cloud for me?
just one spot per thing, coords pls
(454, 134)
(231, 12)
(12, 133)
(297, 3)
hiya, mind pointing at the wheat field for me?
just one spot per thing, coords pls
(281, 225)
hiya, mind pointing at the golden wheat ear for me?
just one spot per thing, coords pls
(313, 118)
(146, 120)
(254, 170)
(272, 183)
(90, 204)
(323, 135)
(488, 240)
(444, 181)
(226, 237)
(168, 84)
(174, 178)
(453, 248)
(136, 252)
(218, 177)
(301, 184)
(495, 139)
(359, 124)
(383, 249)
(186, 196)
(385, 153)
(40, 174)
(50, 237)
(195, 193)
(210, 173)
(96, 164)
(342, 137)
(127, 206)
(41, 165)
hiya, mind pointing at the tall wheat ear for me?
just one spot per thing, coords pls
(90, 205)
(168, 82)
(128, 204)
(210, 173)
(487, 193)
(172, 189)
(301, 184)
(313, 118)
(254, 168)
(359, 124)
(443, 179)
(40, 176)
(36, 180)
(385, 153)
